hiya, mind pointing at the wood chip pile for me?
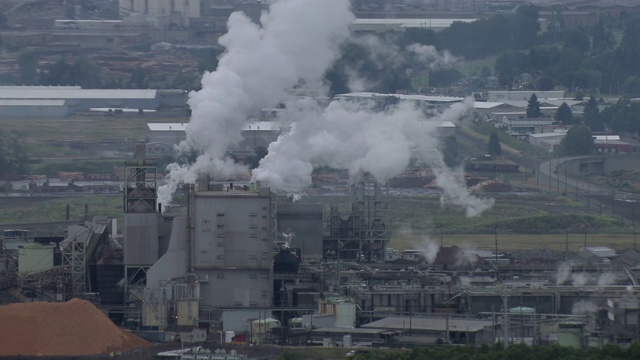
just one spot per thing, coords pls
(75, 327)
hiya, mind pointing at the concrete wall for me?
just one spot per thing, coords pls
(233, 247)
(140, 239)
(34, 111)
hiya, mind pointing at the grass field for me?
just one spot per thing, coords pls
(45, 136)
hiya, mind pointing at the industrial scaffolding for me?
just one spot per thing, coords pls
(364, 233)
(140, 197)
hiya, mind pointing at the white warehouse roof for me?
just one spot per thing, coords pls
(13, 102)
(167, 126)
(28, 92)
(424, 23)
(255, 126)
(425, 98)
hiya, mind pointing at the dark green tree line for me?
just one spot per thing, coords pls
(14, 159)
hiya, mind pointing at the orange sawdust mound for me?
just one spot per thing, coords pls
(76, 327)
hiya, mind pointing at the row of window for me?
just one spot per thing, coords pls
(251, 276)
(265, 255)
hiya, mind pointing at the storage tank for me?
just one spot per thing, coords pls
(35, 258)
(570, 334)
(346, 340)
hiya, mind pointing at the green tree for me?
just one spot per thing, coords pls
(494, 148)
(13, 155)
(85, 73)
(209, 62)
(578, 141)
(577, 39)
(631, 86)
(592, 117)
(28, 68)
(533, 107)
(450, 151)
(57, 73)
(510, 64)
(563, 115)
(138, 79)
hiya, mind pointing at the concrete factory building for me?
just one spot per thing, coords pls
(65, 99)
(383, 25)
(162, 137)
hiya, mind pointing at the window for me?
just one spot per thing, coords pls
(220, 243)
(220, 235)
(253, 215)
(253, 276)
(220, 257)
(220, 214)
(253, 236)
(220, 276)
(220, 226)
(253, 257)
(253, 226)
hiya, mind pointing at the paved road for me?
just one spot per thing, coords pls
(596, 197)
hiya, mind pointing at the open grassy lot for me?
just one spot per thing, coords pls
(47, 138)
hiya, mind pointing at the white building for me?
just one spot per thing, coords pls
(159, 13)
(383, 25)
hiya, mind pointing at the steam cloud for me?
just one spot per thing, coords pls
(584, 307)
(430, 250)
(563, 273)
(297, 42)
(295, 45)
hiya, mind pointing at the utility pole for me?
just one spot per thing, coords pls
(505, 318)
(496, 240)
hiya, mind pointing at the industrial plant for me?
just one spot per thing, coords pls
(237, 263)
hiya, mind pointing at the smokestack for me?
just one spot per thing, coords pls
(159, 208)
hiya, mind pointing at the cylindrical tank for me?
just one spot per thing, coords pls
(570, 334)
(346, 340)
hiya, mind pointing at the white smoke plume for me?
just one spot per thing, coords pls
(295, 44)
(358, 138)
(468, 256)
(563, 273)
(430, 55)
(429, 250)
(606, 279)
(580, 279)
(584, 307)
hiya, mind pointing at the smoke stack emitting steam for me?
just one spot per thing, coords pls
(293, 48)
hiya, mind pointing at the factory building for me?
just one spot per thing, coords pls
(162, 137)
(75, 99)
(31, 108)
(373, 25)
